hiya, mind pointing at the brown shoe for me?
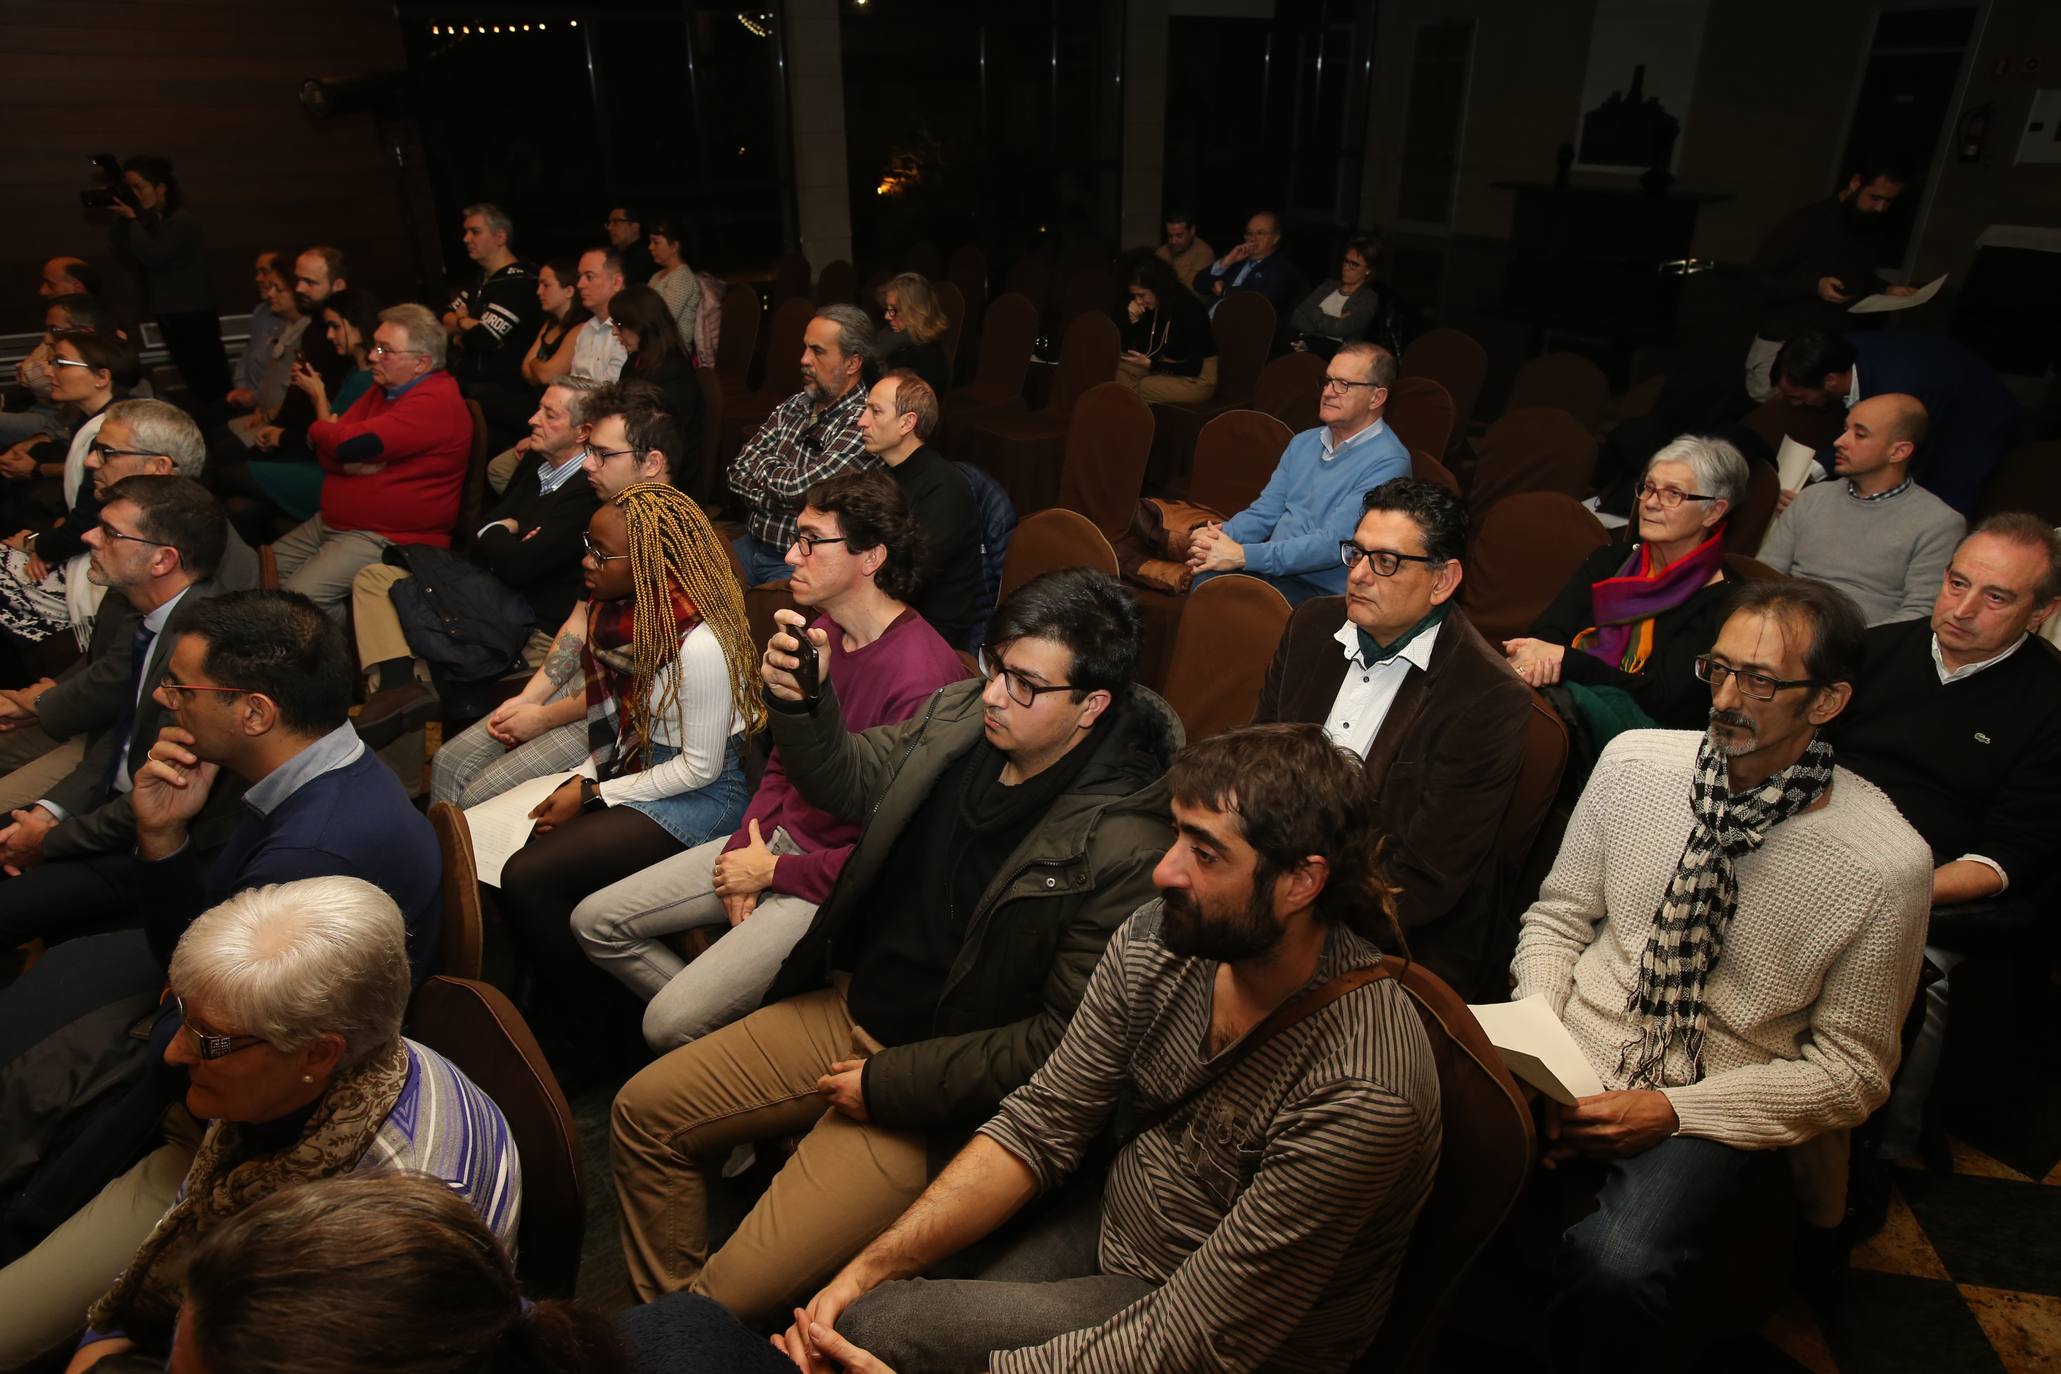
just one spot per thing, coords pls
(388, 715)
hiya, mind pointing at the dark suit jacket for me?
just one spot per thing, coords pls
(1444, 765)
(1275, 277)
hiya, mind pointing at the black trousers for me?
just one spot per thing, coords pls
(194, 339)
(67, 898)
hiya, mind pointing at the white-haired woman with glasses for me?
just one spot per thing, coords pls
(288, 1002)
(1624, 633)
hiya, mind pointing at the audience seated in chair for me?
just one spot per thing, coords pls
(1169, 350)
(1876, 535)
(900, 415)
(528, 545)
(492, 323)
(1759, 1005)
(1352, 305)
(810, 436)
(395, 465)
(272, 273)
(661, 357)
(1257, 1214)
(28, 415)
(1290, 535)
(1958, 719)
(1183, 249)
(542, 729)
(912, 337)
(855, 565)
(1006, 832)
(1409, 685)
(1256, 264)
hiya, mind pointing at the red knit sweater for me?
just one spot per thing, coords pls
(407, 461)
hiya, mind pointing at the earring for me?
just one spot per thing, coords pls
(307, 1078)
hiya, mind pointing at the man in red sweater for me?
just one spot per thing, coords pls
(395, 463)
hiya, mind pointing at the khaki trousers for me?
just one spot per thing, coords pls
(501, 471)
(1160, 386)
(44, 764)
(374, 620)
(753, 1079)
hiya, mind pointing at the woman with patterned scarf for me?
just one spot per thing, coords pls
(1616, 650)
(672, 692)
(292, 997)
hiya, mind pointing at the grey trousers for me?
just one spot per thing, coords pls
(1043, 1284)
(473, 765)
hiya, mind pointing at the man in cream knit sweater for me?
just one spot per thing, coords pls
(1732, 934)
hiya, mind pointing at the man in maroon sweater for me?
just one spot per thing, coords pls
(395, 463)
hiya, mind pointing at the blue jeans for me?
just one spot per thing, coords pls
(762, 562)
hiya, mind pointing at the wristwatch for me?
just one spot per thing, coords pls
(590, 796)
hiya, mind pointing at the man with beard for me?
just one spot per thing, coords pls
(1735, 970)
(1261, 1203)
(1819, 261)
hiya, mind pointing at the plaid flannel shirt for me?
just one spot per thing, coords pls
(795, 449)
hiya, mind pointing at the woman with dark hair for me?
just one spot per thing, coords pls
(915, 333)
(347, 319)
(645, 327)
(1169, 351)
(1350, 306)
(551, 355)
(674, 280)
(168, 255)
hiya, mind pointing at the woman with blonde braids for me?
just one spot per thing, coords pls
(672, 691)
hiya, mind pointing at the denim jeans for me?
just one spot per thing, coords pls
(762, 562)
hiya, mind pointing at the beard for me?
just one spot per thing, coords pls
(1862, 223)
(1740, 735)
(1193, 933)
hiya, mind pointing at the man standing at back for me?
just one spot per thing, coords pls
(492, 323)
(1291, 533)
(901, 414)
(597, 352)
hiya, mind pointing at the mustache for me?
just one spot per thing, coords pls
(1737, 720)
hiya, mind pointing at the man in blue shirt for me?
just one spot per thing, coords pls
(1290, 534)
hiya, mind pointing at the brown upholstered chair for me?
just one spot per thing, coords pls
(1103, 470)
(1751, 569)
(1023, 451)
(472, 497)
(1235, 455)
(1228, 632)
(968, 270)
(1089, 289)
(1567, 381)
(1420, 411)
(2029, 479)
(1524, 549)
(1031, 278)
(1454, 360)
(1747, 525)
(952, 301)
(1007, 336)
(1486, 1153)
(1243, 327)
(759, 604)
(462, 920)
(744, 414)
(1289, 388)
(791, 278)
(1531, 798)
(1426, 468)
(1050, 540)
(838, 283)
(1539, 448)
(737, 336)
(268, 569)
(704, 483)
(476, 1027)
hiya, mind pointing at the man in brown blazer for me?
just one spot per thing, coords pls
(1395, 672)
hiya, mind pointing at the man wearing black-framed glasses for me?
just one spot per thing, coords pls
(1290, 535)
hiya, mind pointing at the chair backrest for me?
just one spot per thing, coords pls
(1086, 358)
(1289, 387)
(1090, 287)
(268, 569)
(1107, 442)
(1420, 411)
(1007, 336)
(1050, 540)
(1748, 524)
(2029, 479)
(1568, 381)
(838, 284)
(1539, 448)
(1244, 327)
(952, 301)
(1485, 1158)
(1235, 454)
(1227, 636)
(783, 351)
(1748, 569)
(472, 498)
(1426, 468)
(1030, 278)
(791, 278)
(1524, 549)
(462, 921)
(1453, 359)
(738, 335)
(968, 270)
(761, 601)
(476, 1027)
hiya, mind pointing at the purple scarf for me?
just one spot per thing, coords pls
(1626, 604)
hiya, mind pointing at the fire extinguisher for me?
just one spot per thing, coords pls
(1972, 133)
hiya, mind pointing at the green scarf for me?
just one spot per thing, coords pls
(1375, 653)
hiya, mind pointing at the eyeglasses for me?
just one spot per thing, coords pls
(96, 449)
(1384, 562)
(56, 361)
(1332, 383)
(380, 350)
(891, 310)
(171, 687)
(1021, 689)
(1668, 497)
(212, 1047)
(108, 531)
(602, 455)
(594, 550)
(1758, 686)
(613, 220)
(807, 542)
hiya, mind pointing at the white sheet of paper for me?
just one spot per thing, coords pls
(1797, 465)
(501, 825)
(1882, 301)
(1538, 1049)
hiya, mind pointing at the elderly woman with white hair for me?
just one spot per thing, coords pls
(1624, 633)
(290, 999)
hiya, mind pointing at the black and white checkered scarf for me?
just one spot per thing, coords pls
(1689, 928)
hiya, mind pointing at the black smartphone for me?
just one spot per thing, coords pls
(807, 674)
(97, 200)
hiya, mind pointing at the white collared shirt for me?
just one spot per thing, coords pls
(1369, 688)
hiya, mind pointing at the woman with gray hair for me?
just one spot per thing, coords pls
(1623, 635)
(291, 998)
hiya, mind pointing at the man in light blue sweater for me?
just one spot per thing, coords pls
(1291, 533)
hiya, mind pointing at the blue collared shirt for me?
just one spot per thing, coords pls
(340, 748)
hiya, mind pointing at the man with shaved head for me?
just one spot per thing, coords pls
(68, 277)
(1877, 535)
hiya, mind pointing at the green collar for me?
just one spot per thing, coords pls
(1372, 653)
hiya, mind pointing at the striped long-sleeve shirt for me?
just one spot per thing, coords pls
(443, 1126)
(1273, 1209)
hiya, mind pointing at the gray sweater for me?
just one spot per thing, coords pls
(1888, 554)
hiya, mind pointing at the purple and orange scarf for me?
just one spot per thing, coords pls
(1626, 604)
